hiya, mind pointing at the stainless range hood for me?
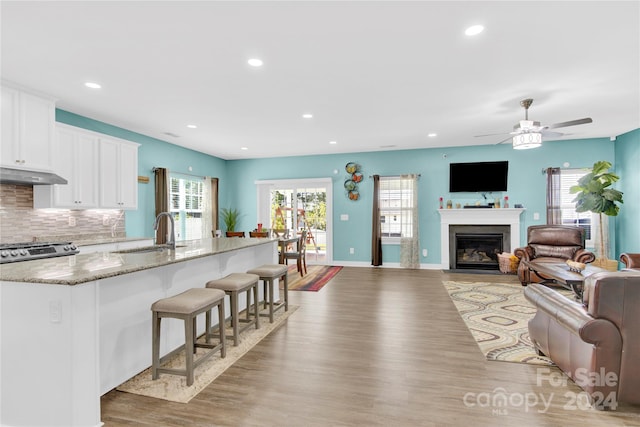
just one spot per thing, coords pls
(25, 177)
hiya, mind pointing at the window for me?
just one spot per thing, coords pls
(569, 178)
(397, 207)
(187, 205)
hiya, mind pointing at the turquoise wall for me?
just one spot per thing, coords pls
(527, 183)
(152, 152)
(627, 156)
(527, 186)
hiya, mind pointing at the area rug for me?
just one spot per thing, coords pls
(174, 388)
(317, 276)
(497, 315)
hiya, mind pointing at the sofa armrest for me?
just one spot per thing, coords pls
(525, 253)
(584, 256)
(630, 260)
(574, 317)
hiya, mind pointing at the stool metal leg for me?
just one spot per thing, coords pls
(270, 284)
(155, 348)
(189, 349)
(223, 342)
(255, 292)
(286, 291)
(234, 317)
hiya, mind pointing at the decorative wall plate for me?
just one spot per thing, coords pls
(349, 185)
(352, 167)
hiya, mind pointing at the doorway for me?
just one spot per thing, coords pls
(299, 205)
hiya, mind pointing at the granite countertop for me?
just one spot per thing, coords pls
(81, 268)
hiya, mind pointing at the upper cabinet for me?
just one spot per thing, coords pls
(102, 172)
(28, 123)
(76, 159)
(118, 174)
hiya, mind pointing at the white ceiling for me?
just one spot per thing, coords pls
(375, 75)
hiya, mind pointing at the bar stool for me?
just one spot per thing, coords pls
(187, 306)
(267, 273)
(232, 285)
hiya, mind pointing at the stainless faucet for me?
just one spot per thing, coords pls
(172, 238)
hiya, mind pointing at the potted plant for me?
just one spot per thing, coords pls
(230, 218)
(593, 194)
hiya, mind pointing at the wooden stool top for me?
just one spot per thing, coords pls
(269, 270)
(234, 282)
(189, 301)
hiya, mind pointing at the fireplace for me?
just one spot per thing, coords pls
(477, 246)
(509, 218)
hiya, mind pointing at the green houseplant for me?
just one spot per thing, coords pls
(230, 218)
(594, 194)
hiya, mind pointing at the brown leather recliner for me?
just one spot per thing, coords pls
(630, 260)
(551, 243)
(596, 342)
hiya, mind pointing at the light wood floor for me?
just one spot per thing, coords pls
(375, 347)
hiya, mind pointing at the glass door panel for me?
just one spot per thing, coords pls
(296, 209)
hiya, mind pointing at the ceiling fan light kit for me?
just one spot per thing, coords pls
(526, 141)
(528, 133)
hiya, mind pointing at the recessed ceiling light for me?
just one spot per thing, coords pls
(192, 126)
(333, 142)
(92, 85)
(474, 30)
(432, 135)
(307, 116)
(255, 62)
(244, 148)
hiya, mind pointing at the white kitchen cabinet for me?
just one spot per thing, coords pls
(28, 123)
(118, 174)
(75, 159)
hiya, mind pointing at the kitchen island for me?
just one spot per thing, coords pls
(75, 327)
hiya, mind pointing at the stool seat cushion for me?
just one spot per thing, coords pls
(269, 270)
(233, 282)
(189, 301)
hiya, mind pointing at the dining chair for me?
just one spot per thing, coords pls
(300, 254)
(235, 234)
(280, 232)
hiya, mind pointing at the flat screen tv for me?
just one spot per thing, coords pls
(478, 177)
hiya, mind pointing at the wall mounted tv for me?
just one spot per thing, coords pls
(478, 177)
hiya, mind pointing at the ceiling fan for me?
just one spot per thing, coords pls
(528, 133)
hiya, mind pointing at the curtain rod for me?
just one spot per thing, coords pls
(395, 176)
(153, 169)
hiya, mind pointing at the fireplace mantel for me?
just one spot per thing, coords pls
(509, 216)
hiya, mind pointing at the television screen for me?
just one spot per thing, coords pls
(478, 177)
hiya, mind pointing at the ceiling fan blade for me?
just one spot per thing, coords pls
(504, 140)
(570, 123)
(491, 134)
(547, 134)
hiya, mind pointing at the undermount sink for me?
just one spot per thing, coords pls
(146, 249)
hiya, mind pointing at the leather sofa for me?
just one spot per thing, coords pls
(595, 342)
(551, 243)
(630, 260)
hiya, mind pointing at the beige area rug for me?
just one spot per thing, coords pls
(174, 388)
(497, 315)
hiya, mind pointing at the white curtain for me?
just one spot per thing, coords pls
(207, 208)
(410, 239)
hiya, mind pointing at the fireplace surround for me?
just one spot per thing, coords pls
(509, 217)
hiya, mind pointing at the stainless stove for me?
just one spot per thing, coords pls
(15, 252)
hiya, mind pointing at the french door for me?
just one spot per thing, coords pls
(298, 205)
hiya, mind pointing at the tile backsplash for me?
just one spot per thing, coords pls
(19, 222)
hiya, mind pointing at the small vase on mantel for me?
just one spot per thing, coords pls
(506, 202)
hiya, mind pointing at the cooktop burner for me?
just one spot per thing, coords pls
(15, 252)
